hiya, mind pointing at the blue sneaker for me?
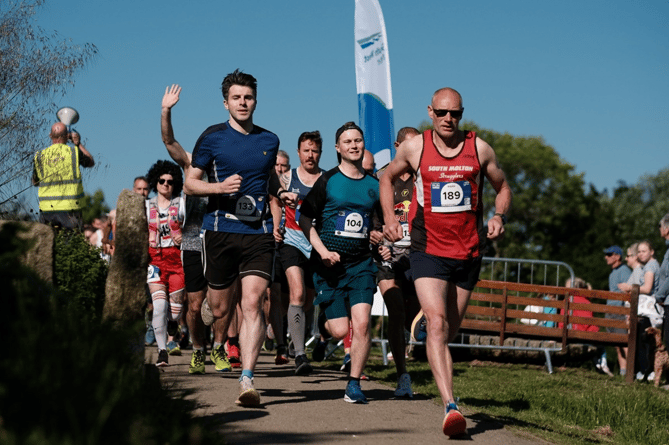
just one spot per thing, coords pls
(354, 393)
(173, 348)
(346, 364)
(150, 337)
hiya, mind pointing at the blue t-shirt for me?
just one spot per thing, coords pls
(618, 275)
(343, 208)
(221, 151)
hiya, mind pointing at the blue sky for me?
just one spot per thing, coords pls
(590, 77)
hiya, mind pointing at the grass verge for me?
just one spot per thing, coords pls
(570, 406)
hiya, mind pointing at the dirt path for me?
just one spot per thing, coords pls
(311, 409)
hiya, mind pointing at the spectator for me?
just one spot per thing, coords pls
(56, 172)
(662, 292)
(579, 283)
(620, 273)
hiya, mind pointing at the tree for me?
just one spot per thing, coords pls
(637, 210)
(94, 206)
(36, 68)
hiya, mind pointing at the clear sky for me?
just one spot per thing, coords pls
(590, 77)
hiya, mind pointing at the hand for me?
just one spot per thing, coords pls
(330, 258)
(76, 138)
(278, 234)
(393, 231)
(385, 253)
(176, 236)
(231, 184)
(171, 96)
(375, 237)
(625, 287)
(495, 228)
(289, 199)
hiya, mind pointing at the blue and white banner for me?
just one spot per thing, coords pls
(372, 78)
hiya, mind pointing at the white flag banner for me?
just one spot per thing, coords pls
(372, 78)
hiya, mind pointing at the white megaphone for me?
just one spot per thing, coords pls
(68, 116)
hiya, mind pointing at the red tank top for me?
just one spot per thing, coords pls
(446, 210)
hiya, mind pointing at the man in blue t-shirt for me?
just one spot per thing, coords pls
(342, 202)
(619, 274)
(238, 158)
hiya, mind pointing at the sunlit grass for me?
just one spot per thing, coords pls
(571, 406)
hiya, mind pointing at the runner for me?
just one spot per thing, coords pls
(341, 203)
(447, 230)
(238, 158)
(392, 274)
(295, 250)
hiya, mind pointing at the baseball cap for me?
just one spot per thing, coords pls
(613, 250)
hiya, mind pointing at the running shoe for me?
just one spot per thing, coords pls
(163, 359)
(196, 362)
(185, 342)
(346, 364)
(318, 354)
(404, 386)
(233, 356)
(281, 357)
(419, 328)
(220, 360)
(354, 393)
(302, 365)
(150, 337)
(173, 348)
(249, 396)
(454, 422)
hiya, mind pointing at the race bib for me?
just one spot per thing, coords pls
(153, 274)
(406, 237)
(247, 208)
(351, 225)
(451, 197)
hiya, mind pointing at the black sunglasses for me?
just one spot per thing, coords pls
(163, 181)
(455, 114)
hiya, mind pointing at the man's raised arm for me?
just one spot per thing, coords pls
(174, 148)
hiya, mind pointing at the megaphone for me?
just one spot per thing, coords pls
(68, 116)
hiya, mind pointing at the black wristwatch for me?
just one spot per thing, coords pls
(502, 216)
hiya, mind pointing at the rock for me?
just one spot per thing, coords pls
(125, 292)
(40, 256)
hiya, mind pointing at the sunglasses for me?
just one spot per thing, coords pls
(163, 181)
(455, 114)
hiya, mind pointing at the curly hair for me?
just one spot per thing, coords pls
(165, 168)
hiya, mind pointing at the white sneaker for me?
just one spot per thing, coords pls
(651, 376)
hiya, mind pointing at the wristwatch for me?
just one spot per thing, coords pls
(502, 216)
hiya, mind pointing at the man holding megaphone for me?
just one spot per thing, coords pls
(56, 172)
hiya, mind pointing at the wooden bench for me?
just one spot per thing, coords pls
(497, 307)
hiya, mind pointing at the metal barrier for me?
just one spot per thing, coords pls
(506, 269)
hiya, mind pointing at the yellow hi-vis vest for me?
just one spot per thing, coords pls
(59, 176)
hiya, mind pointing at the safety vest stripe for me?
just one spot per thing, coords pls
(60, 198)
(71, 181)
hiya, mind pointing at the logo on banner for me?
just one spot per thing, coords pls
(369, 41)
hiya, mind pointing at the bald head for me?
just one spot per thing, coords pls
(368, 163)
(447, 92)
(58, 133)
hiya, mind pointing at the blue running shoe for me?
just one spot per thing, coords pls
(354, 393)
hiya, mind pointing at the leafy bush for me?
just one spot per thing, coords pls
(68, 378)
(79, 274)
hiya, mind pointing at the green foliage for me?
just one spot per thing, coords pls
(94, 206)
(637, 210)
(68, 379)
(79, 273)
